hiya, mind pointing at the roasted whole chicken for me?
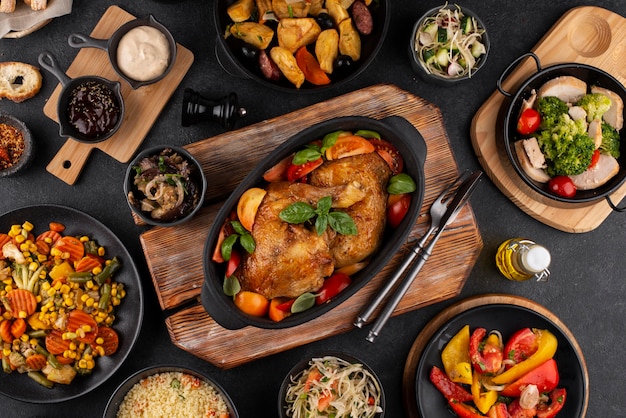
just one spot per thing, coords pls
(291, 259)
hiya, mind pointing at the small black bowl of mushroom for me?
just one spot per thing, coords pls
(165, 185)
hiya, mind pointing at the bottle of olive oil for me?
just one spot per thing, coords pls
(521, 259)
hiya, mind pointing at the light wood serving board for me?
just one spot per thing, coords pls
(174, 255)
(588, 35)
(142, 106)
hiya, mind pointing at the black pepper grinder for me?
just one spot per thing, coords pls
(197, 108)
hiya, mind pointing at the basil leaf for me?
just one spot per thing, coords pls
(367, 134)
(303, 302)
(247, 242)
(231, 286)
(306, 155)
(329, 140)
(227, 246)
(342, 223)
(400, 184)
(321, 223)
(297, 213)
(238, 227)
(323, 205)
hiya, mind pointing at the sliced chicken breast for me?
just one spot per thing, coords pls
(603, 171)
(567, 88)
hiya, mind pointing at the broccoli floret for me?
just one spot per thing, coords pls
(550, 109)
(566, 146)
(595, 104)
(610, 140)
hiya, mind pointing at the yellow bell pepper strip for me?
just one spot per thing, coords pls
(455, 357)
(547, 344)
(483, 399)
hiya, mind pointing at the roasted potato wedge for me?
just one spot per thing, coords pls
(297, 32)
(241, 10)
(327, 49)
(349, 40)
(283, 9)
(263, 6)
(288, 65)
(336, 11)
(316, 7)
(253, 33)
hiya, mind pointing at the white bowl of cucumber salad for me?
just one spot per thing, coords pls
(448, 44)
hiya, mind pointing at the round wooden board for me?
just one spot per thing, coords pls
(25, 32)
(410, 367)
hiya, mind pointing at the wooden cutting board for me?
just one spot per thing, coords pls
(174, 255)
(587, 35)
(142, 106)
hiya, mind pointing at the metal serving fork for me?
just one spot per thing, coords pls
(441, 214)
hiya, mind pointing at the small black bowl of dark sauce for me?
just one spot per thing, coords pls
(90, 108)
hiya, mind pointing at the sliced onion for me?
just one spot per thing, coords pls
(529, 397)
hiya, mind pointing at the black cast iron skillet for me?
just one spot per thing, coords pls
(129, 314)
(78, 40)
(508, 130)
(47, 61)
(394, 129)
(231, 57)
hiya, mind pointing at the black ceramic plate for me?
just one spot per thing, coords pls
(394, 129)
(129, 313)
(118, 396)
(232, 59)
(507, 319)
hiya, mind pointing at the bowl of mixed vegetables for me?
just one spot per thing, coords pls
(331, 385)
(501, 360)
(70, 300)
(448, 44)
(563, 133)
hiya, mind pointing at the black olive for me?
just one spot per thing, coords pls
(325, 21)
(249, 52)
(343, 65)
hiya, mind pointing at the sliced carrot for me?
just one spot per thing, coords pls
(42, 247)
(4, 238)
(64, 360)
(56, 226)
(22, 300)
(53, 235)
(87, 263)
(314, 376)
(36, 361)
(72, 246)
(18, 327)
(110, 339)
(83, 325)
(55, 344)
(5, 331)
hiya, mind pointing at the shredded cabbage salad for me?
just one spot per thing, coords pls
(450, 44)
(333, 387)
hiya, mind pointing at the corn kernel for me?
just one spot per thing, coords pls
(38, 298)
(91, 364)
(89, 302)
(73, 346)
(96, 270)
(8, 288)
(41, 258)
(45, 286)
(22, 314)
(99, 340)
(33, 342)
(65, 255)
(48, 240)
(101, 251)
(19, 239)
(68, 302)
(24, 337)
(6, 351)
(15, 230)
(24, 248)
(86, 327)
(84, 297)
(28, 226)
(65, 289)
(7, 281)
(84, 238)
(87, 356)
(89, 284)
(82, 364)
(57, 285)
(100, 350)
(33, 266)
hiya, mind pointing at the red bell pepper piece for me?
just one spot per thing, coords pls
(517, 411)
(450, 390)
(545, 377)
(498, 410)
(463, 410)
(486, 357)
(331, 287)
(557, 400)
(233, 262)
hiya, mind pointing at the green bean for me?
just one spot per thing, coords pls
(41, 379)
(6, 367)
(91, 247)
(108, 270)
(80, 277)
(51, 358)
(38, 333)
(105, 296)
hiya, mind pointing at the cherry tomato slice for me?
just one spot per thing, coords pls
(398, 206)
(349, 145)
(278, 172)
(545, 377)
(521, 345)
(486, 357)
(389, 153)
(528, 121)
(595, 157)
(332, 287)
(557, 400)
(562, 186)
(296, 172)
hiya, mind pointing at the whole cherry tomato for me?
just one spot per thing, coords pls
(562, 186)
(252, 303)
(398, 206)
(528, 121)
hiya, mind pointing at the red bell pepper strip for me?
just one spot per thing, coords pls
(463, 410)
(545, 377)
(557, 400)
(486, 357)
(449, 389)
(332, 287)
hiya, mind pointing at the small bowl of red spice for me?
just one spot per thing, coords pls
(16, 145)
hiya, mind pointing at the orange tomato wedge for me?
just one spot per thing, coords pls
(348, 146)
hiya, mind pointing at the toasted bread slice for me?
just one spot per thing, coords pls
(7, 6)
(37, 4)
(19, 81)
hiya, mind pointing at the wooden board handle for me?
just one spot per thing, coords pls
(68, 163)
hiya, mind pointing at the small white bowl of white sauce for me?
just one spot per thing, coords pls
(142, 51)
